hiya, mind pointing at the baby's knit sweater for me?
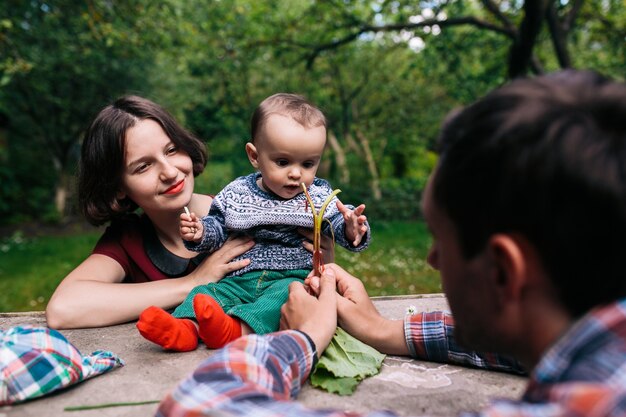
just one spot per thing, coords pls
(244, 208)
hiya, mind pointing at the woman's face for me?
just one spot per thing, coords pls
(158, 176)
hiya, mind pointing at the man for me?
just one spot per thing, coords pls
(527, 207)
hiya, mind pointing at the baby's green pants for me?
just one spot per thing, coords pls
(255, 297)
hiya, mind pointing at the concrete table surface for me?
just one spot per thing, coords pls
(406, 386)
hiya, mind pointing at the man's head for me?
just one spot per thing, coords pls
(288, 135)
(544, 159)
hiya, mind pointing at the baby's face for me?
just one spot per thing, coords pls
(288, 154)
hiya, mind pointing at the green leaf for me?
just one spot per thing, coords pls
(325, 380)
(345, 363)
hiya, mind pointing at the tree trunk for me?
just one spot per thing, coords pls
(340, 158)
(521, 53)
(352, 145)
(61, 194)
(558, 36)
(371, 165)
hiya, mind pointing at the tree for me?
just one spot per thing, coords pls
(520, 24)
(386, 72)
(63, 61)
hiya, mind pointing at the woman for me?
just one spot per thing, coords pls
(135, 155)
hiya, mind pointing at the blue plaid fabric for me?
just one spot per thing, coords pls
(35, 361)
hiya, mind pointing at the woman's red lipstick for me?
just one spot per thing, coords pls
(176, 188)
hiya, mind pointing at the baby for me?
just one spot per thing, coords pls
(288, 136)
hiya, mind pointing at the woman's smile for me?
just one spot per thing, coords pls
(176, 188)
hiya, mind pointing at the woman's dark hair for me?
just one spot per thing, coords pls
(103, 151)
(546, 158)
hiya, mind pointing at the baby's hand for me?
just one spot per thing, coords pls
(190, 227)
(355, 222)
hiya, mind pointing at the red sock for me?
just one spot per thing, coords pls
(215, 327)
(160, 327)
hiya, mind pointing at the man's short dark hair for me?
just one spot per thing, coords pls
(544, 157)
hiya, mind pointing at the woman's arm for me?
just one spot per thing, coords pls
(93, 295)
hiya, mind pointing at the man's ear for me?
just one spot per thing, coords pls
(253, 155)
(509, 256)
(120, 195)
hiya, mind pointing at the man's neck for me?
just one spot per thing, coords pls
(545, 323)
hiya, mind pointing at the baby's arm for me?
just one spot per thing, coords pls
(355, 222)
(191, 227)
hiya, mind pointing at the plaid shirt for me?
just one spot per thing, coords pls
(583, 374)
(35, 361)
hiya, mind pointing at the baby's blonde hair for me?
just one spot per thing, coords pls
(293, 105)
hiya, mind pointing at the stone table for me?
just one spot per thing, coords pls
(406, 386)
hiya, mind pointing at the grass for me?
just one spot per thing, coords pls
(31, 268)
(395, 262)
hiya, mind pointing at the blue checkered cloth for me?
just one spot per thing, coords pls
(35, 361)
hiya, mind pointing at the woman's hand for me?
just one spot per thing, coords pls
(218, 264)
(326, 245)
(85, 296)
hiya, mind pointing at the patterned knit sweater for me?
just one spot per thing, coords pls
(244, 208)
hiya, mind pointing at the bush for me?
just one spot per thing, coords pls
(401, 199)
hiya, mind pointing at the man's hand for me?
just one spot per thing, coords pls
(355, 222)
(315, 316)
(355, 309)
(358, 316)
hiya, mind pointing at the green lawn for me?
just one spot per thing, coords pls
(30, 268)
(395, 261)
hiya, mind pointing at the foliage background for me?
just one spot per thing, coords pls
(385, 72)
